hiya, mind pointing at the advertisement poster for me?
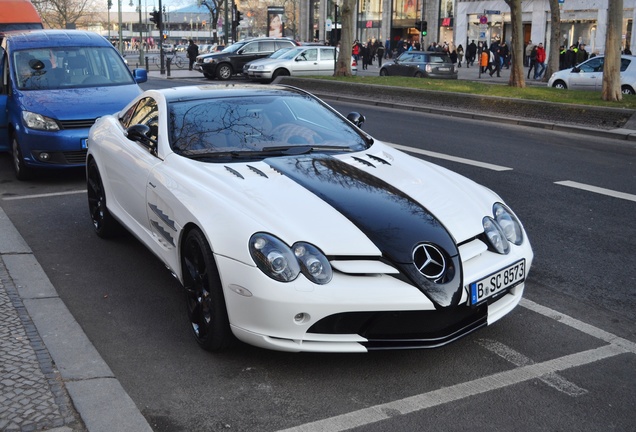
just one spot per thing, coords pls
(276, 21)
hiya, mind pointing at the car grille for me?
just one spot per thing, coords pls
(405, 329)
(77, 124)
(75, 157)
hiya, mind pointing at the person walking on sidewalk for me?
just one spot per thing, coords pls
(460, 55)
(540, 62)
(380, 53)
(193, 52)
(471, 54)
(533, 61)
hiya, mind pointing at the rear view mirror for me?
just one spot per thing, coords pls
(356, 118)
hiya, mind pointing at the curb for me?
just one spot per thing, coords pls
(98, 397)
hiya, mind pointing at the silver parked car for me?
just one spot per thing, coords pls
(589, 75)
(300, 61)
(421, 64)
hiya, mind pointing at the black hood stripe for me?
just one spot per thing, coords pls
(392, 220)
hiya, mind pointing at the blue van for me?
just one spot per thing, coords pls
(55, 84)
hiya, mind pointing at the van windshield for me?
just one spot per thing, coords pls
(68, 67)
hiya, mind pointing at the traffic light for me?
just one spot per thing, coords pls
(424, 28)
(239, 16)
(155, 17)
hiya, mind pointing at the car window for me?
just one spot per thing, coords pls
(438, 58)
(308, 55)
(327, 54)
(406, 57)
(146, 113)
(284, 44)
(252, 123)
(267, 46)
(625, 64)
(593, 65)
(250, 48)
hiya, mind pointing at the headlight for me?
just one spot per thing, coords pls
(509, 223)
(208, 60)
(282, 263)
(495, 235)
(39, 122)
(313, 263)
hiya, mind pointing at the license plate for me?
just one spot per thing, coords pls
(84, 143)
(443, 69)
(497, 282)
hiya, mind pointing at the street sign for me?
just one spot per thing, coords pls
(492, 12)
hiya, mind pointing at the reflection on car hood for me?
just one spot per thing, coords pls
(78, 103)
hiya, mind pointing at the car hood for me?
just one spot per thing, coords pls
(78, 103)
(379, 204)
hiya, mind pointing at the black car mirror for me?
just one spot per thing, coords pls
(140, 132)
(576, 69)
(356, 118)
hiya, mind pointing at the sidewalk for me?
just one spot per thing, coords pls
(51, 376)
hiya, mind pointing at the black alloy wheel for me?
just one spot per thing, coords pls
(224, 71)
(103, 222)
(383, 72)
(204, 295)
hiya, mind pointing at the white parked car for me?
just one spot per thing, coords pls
(589, 75)
(300, 61)
(292, 229)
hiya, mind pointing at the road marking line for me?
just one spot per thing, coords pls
(456, 392)
(616, 346)
(451, 158)
(554, 380)
(598, 190)
(21, 197)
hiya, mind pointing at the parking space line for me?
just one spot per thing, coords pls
(598, 190)
(554, 380)
(616, 346)
(451, 158)
(22, 197)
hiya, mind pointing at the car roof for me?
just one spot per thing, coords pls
(211, 91)
(25, 39)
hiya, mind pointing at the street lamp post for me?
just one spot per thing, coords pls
(141, 37)
(121, 42)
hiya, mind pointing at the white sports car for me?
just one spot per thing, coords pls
(292, 229)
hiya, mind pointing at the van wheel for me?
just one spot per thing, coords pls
(22, 171)
(224, 72)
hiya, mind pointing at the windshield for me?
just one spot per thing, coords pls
(69, 67)
(279, 53)
(252, 124)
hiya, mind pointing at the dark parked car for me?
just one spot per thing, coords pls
(222, 65)
(421, 64)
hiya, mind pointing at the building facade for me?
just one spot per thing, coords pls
(460, 21)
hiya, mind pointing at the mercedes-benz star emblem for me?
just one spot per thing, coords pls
(429, 261)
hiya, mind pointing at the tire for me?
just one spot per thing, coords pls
(205, 302)
(103, 222)
(419, 74)
(280, 72)
(224, 71)
(383, 72)
(21, 170)
(627, 90)
(559, 85)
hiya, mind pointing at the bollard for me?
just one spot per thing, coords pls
(168, 61)
(147, 63)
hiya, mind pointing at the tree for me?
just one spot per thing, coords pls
(347, 19)
(214, 7)
(555, 39)
(64, 13)
(612, 64)
(516, 74)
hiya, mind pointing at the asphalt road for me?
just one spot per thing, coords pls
(564, 360)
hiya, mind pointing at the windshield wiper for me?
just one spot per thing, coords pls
(303, 149)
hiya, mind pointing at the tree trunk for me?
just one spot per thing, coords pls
(516, 74)
(555, 40)
(612, 64)
(347, 19)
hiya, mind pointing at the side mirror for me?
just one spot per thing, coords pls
(576, 69)
(139, 132)
(356, 118)
(141, 75)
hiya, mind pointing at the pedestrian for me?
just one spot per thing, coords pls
(540, 67)
(485, 58)
(581, 54)
(495, 59)
(380, 54)
(471, 54)
(460, 55)
(193, 52)
(533, 61)
(528, 50)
